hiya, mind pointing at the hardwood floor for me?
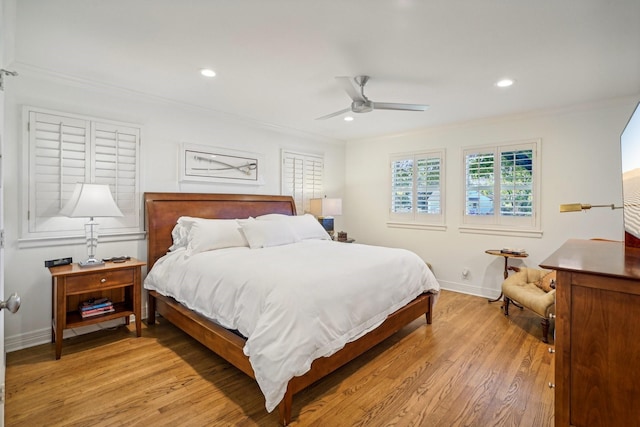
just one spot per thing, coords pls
(471, 367)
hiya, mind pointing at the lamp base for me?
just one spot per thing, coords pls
(327, 224)
(91, 262)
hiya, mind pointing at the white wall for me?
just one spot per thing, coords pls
(164, 126)
(580, 163)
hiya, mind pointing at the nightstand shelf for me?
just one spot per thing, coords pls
(74, 319)
(119, 282)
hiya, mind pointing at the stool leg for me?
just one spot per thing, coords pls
(545, 329)
(506, 305)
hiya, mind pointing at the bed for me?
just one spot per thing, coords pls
(162, 211)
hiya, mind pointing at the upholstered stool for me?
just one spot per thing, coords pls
(534, 289)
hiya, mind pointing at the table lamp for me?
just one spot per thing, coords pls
(91, 200)
(324, 209)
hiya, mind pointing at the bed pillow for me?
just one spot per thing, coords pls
(211, 234)
(180, 232)
(273, 217)
(304, 226)
(263, 234)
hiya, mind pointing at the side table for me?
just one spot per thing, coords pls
(506, 256)
(120, 282)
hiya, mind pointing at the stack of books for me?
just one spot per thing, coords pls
(513, 251)
(95, 307)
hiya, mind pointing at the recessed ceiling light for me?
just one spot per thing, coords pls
(207, 72)
(348, 119)
(504, 83)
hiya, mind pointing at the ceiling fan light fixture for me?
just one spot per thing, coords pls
(505, 82)
(207, 72)
(361, 106)
(354, 86)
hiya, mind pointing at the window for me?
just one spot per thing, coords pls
(501, 186)
(302, 178)
(417, 188)
(62, 149)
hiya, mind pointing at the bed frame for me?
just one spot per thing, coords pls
(161, 213)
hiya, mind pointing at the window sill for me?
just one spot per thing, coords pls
(38, 242)
(416, 225)
(500, 231)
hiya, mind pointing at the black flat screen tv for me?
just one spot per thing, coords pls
(630, 150)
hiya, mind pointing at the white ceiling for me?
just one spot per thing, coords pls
(276, 60)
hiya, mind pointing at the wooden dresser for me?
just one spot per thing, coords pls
(597, 347)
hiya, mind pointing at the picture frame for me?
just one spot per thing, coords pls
(203, 163)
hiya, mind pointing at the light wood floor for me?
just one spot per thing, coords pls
(471, 367)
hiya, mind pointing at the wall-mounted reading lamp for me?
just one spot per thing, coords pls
(576, 207)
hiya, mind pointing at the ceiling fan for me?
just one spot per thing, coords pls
(362, 104)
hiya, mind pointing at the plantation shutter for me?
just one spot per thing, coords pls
(402, 186)
(480, 183)
(428, 184)
(302, 178)
(417, 187)
(59, 150)
(516, 182)
(500, 185)
(116, 164)
(65, 149)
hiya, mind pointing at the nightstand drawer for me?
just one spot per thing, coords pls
(99, 280)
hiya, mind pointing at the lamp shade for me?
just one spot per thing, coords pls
(577, 207)
(571, 207)
(91, 200)
(325, 207)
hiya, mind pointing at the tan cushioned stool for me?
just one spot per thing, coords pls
(525, 287)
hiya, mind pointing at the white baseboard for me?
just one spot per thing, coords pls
(469, 289)
(30, 339)
(43, 336)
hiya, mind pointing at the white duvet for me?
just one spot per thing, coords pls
(294, 303)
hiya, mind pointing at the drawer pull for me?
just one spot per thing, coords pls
(552, 316)
(103, 280)
(551, 350)
(552, 385)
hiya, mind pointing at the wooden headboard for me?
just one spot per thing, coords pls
(162, 211)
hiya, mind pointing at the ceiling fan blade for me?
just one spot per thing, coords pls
(394, 106)
(348, 84)
(337, 113)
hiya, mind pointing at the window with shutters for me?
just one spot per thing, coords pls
(417, 189)
(501, 188)
(302, 178)
(62, 149)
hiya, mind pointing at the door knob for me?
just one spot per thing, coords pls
(12, 304)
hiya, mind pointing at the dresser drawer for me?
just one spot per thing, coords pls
(99, 280)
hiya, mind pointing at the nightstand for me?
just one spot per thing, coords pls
(120, 282)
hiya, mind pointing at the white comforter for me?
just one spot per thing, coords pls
(294, 303)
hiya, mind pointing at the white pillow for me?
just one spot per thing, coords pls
(263, 234)
(273, 217)
(210, 234)
(304, 226)
(180, 232)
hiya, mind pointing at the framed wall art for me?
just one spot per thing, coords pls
(203, 163)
